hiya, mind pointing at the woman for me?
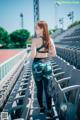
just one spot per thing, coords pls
(42, 48)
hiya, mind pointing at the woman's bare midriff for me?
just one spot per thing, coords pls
(41, 55)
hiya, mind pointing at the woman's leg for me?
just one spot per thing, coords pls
(48, 97)
(39, 86)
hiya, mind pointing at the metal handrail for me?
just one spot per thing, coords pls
(8, 64)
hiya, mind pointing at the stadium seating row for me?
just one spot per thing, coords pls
(70, 55)
(66, 92)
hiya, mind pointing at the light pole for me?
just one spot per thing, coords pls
(36, 11)
(56, 13)
(21, 15)
(61, 20)
(71, 16)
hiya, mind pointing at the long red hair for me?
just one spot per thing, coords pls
(46, 37)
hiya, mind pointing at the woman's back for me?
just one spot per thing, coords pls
(40, 48)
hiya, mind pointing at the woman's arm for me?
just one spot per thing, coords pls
(33, 50)
(52, 50)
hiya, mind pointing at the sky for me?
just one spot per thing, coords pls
(50, 12)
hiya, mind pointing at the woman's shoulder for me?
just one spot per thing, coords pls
(36, 39)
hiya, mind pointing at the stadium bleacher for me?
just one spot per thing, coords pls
(68, 46)
(22, 103)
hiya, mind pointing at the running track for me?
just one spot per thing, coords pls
(6, 54)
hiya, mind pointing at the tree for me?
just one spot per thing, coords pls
(19, 37)
(4, 38)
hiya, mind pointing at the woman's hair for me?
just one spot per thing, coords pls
(46, 38)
